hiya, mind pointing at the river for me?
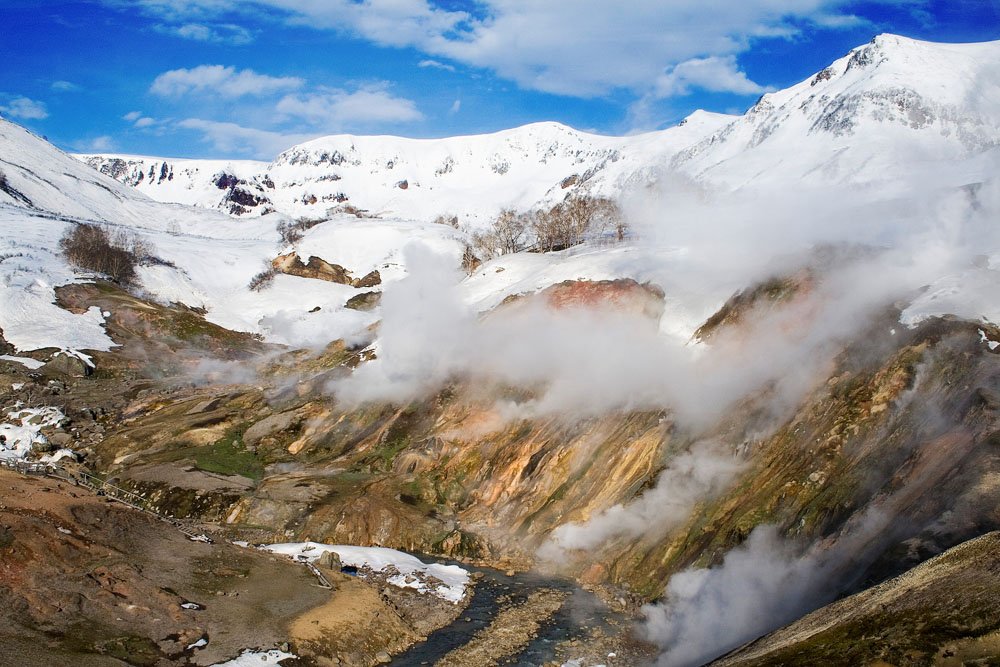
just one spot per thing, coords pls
(581, 612)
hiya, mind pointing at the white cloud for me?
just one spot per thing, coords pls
(64, 86)
(334, 108)
(25, 109)
(221, 33)
(220, 80)
(436, 65)
(232, 138)
(589, 49)
(138, 120)
(101, 144)
(456, 106)
(716, 74)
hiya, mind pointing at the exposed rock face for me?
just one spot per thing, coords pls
(270, 426)
(85, 582)
(449, 475)
(319, 269)
(67, 365)
(364, 301)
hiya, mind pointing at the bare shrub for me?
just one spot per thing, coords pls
(292, 232)
(470, 262)
(115, 253)
(506, 235)
(569, 223)
(446, 219)
(262, 279)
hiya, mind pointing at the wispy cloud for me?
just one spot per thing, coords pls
(335, 108)
(101, 144)
(587, 50)
(220, 80)
(231, 138)
(218, 33)
(139, 120)
(716, 74)
(436, 65)
(24, 108)
(64, 86)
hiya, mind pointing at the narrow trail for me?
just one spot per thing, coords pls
(81, 478)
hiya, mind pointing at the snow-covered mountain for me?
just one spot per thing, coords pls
(885, 120)
(208, 258)
(892, 105)
(888, 108)
(471, 177)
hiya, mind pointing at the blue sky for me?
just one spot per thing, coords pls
(233, 78)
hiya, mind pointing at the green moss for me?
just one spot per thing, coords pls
(228, 456)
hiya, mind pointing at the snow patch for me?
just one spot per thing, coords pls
(25, 430)
(251, 658)
(27, 362)
(992, 344)
(971, 295)
(445, 581)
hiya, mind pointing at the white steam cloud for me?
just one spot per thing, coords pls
(700, 247)
(690, 477)
(760, 585)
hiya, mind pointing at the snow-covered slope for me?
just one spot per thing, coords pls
(470, 177)
(887, 109)
(893, 121)
(236, 187)
(209, 258)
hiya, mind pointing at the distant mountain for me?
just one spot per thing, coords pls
(470, 177)
(886, 107)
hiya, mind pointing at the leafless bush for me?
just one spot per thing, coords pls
(446, 219)
(568, 223)
(114, 252)
(564, 225)
(470, 262)
(506, 235)
(292, 232)
(262, 279)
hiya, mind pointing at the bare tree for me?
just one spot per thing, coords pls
(115, 253)
(510, 229)
(568, 223)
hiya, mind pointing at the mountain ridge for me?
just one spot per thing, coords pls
(880, 93)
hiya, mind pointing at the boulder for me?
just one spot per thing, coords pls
(370, 279)
(270, 426)
(66, 365)
(364, 301)
(330, 560)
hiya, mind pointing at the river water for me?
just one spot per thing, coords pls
(580, 612)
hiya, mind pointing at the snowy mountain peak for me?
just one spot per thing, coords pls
(470, 177)
(882, 108)
(848, 122)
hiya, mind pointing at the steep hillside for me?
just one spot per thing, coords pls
(889, 109)
(886, 111)
(902, 621)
